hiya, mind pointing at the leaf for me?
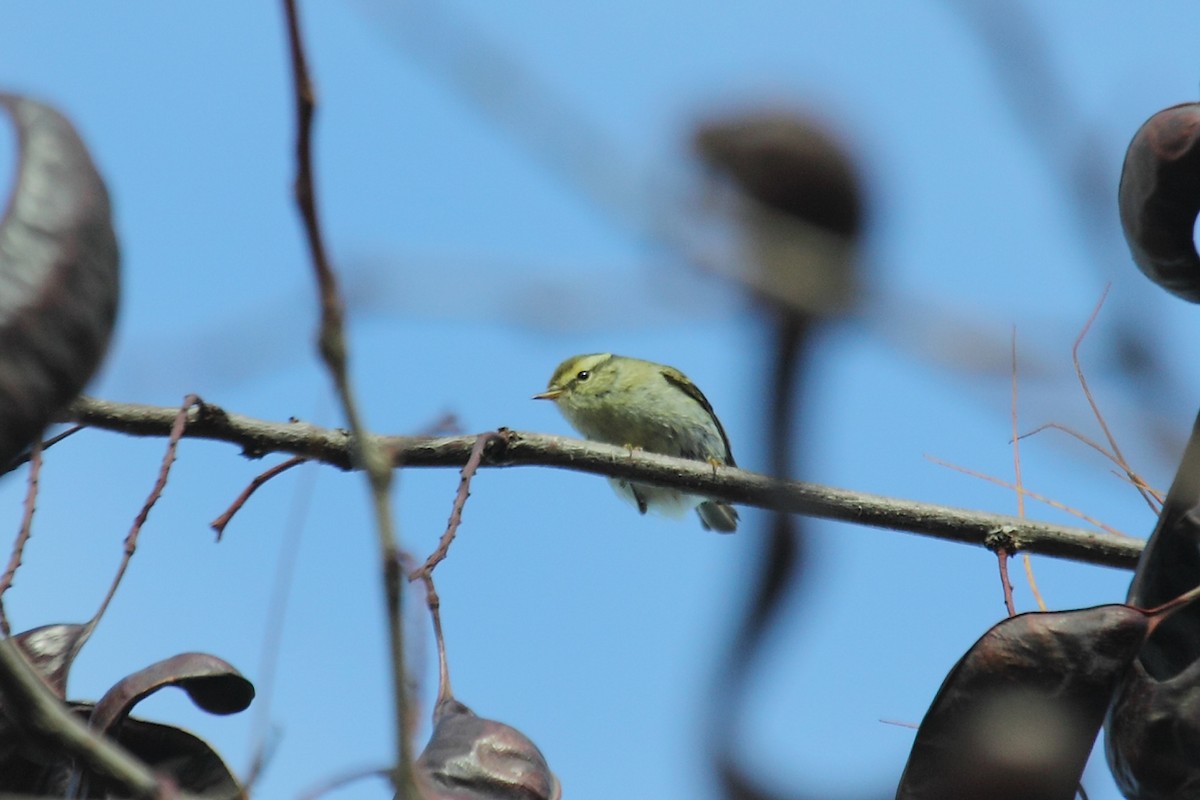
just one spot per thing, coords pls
(471, 758)
(1017, 716)
(58, 274)
(1159, 197)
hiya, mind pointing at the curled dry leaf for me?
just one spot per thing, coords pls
(1153, 728)
(212, 684)
(1160, 196)
(471, 758)
(58, 274)
(1017, 716)
(33, 762)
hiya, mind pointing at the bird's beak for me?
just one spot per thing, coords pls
(553, 393)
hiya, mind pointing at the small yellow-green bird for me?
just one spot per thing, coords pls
(642, 405)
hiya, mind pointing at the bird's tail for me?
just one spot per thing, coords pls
(717, 516)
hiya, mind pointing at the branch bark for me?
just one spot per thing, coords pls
(331, 446)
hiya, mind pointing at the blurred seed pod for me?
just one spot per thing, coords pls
(801, 207)
(1159, 198)
(1017, 716)
(471, 758)
(58, 274)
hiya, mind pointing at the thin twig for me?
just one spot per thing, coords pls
(1039, 497)
(164, 470)
(1129, 477)
(220, 522)
(333, 348)
(1020, 488)
(460, 500)
(1005, 584)
(1087, 392)
(1092, 443)
(264, 738)
(18, 550)
(1016, 446)
(1138, 481)
(344, 779)
(257, 437)
(1033, 584)
(435, 605)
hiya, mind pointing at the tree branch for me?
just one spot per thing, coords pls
(259, 437)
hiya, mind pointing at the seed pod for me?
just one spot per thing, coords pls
(1160, 197)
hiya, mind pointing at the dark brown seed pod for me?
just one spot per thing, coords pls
(34, 760)
(788, 163)
(58, 274)
(1153, 727)
(1017, 716)
(471, 758)
(1160, 197)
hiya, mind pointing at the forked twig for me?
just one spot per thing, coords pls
(1083, 438)
(1129, 477)
(460, 500)
(1040, 498)
(220, 522)
(1119, 459)
(18, 550)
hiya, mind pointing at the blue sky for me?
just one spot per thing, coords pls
(475, 262)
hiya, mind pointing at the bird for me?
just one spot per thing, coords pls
(645, 406)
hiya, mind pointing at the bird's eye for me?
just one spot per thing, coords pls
(583, 375)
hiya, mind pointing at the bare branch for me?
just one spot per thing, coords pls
(178, 425)
(335, 352)
(220, 522)
(18, 550)
(460, 500)
(258, 437)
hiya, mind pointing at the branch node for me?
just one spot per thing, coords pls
(1002, 540)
